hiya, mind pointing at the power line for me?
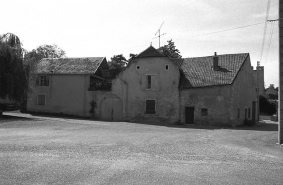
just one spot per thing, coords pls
(264, 32)
(269, 42)
(229, 29)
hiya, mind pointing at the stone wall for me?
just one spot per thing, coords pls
(66, 94)
(216, 99)
(131, 86)
(226, 104)
(244, 93)
(258, 76)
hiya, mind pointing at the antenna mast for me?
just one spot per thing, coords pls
(158, 31)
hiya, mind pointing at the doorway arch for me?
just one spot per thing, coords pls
(111, 108)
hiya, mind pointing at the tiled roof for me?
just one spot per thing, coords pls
(198, 72)
(177, 61)
(150, 52)
(69, 65)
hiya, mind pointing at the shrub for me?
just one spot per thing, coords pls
(249, 123)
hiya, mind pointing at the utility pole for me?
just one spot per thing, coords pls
(158, 31)
(280, 89)
(257, 75)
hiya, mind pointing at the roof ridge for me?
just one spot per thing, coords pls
(217, 55)
(150, 52)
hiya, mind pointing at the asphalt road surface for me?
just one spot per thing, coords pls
(47, 150)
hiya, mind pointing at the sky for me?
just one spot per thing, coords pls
(103, 28)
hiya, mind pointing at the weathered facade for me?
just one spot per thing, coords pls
(258, 75)
(149, 80)
(69, 85)
(214, 90)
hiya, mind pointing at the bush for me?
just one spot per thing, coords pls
(266, 106)
(249, 123)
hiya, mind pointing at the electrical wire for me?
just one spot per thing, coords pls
(270, 40)
(229, 29)
(264, 31)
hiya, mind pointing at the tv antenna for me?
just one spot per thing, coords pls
(158, 31)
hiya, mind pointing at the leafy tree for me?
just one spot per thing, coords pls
(117, 64)
(44, 51)
(132, 57)
(13, 77)
(271, 92)
(266, 106)
(170, 50)
(118, 61)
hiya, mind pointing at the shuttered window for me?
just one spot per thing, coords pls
(41, 99)
(150, 107)
(42, 80)
(151, 82)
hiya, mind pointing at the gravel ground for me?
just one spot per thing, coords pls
(48, 150)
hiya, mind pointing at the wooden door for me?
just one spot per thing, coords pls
(189, 115)
(112, 109)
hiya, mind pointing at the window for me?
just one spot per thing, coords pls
(42, 80)
(204, 112)
(238, 113)
(41, 99)
(167, 67)
(249, 113)
(150, 107)
(246, 113)
(138, 67)
(148, 82)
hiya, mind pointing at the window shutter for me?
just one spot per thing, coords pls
(37, 80)
(47, 80)
(154, 82)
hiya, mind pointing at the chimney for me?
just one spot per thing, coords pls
(215, 62)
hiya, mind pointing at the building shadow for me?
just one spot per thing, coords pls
(258, 127)
(9, 118)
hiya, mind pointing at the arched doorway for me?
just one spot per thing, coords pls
(112, 108)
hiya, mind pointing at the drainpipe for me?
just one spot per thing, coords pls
(84, 92)
(180, 107)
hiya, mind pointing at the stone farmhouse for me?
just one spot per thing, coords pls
(212, 90)
(68, 85)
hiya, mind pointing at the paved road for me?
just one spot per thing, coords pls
(44, 150)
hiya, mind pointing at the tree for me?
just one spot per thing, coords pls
(266, 106)
(271, 92)
(44, 51)
(13, 78)
(170, 50)
(117, 64)
(132, 57)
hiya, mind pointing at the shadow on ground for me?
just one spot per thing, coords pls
(269, 126)
(259, 127)
(8, 118)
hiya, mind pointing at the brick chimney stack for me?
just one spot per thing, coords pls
(215, 62)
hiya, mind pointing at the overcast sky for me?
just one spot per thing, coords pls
(95, 28)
